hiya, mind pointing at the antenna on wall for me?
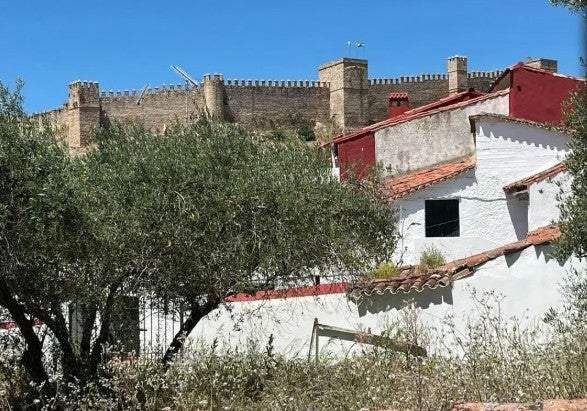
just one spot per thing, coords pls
(356, 45)
(188, 80)
(142, 94)
(185, 75)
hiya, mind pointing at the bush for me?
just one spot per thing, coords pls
(431, 258)
(384, 270)
(493, 359)
(306, 132)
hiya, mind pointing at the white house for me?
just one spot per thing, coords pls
(463, 207)
(474, 175)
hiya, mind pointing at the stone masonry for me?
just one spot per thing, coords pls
(343, 100)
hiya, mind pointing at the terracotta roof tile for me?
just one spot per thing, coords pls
(411, 279)
(534, 178)
(398, 96)
(544, 234)
(405, 184)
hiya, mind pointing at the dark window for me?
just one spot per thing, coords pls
(442, 218)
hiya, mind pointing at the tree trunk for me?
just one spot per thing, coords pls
(197, 312)
(97, 350)
(88, 321)
(32, 358)
(58, 325)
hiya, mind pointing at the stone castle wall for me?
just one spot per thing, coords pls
(343, 100)
(263, 105)
(157, 107)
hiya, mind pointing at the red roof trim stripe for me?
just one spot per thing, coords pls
(416, 113)
(409, 279)
(522, 66)
(10, 325)
(534, 178)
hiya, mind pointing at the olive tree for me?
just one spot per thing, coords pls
(186, 217)
(41, 233)
(212, 209)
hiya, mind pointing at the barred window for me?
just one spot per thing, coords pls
(442, 218)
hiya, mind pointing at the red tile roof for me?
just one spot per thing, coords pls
(405, 184)
(448, 103)
(522, 66)
(534, 178)
(410, 278)
(398, 96)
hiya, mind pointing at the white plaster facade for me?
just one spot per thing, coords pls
(543, 207)
(527, 281)
(506, 151)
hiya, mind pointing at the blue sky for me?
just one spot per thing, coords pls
(126, 44)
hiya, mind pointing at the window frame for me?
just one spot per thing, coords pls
(454, 230)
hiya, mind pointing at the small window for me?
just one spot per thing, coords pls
(442, 218)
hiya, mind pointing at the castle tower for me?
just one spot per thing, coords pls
(457, 74)
(213, 89)
(349, 85)
(83, 106)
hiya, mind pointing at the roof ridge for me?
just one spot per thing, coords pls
(537, 177)
(410, 116)
(407, 183)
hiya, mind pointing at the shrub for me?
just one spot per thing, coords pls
(384, 270)
(492, 359)
(306, 132)
(431, 258)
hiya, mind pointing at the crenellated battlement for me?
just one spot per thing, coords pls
(484, 74)
(55, 111)
(342, 99)
(432, 77)
(276, 83)
(84, 84)
(409, 79)
(163, 89)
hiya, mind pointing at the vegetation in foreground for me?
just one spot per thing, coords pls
(186, 218)
(493, 361)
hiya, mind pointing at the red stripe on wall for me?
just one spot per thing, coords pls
(10, 325)
(315, 290)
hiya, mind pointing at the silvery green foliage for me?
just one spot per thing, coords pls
(578, 6)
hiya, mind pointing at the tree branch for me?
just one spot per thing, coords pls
(98, 348)
(197, 312)
(32, 358)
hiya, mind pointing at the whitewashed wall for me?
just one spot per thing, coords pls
(543, 207)
(432, 139)
(528, 282)
(506, 151)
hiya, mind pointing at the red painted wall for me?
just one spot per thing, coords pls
(537, 95)
(394, 111)
(313, 290)
(357, 154)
